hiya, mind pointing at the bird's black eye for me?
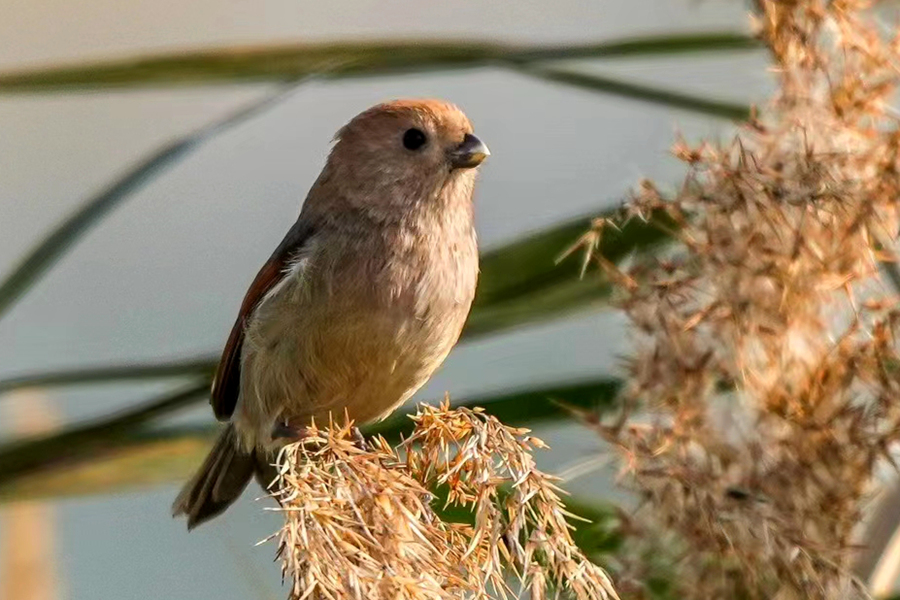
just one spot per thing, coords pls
(414, 139)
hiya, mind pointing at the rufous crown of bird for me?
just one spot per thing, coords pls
(360, 302)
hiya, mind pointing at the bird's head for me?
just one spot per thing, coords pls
(405, 152)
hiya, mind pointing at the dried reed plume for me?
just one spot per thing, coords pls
(359, 521)
(764, 389)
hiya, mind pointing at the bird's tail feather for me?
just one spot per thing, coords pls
(218, 483)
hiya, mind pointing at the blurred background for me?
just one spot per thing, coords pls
(157, 278)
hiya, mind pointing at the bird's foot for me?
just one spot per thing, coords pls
(288, 431)
(285, 430)
(359, 439)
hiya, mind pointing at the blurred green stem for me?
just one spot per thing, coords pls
(332, 60)
(635, 91)
(106, 438)
(199, 366)
(78, 442)
(50, 249)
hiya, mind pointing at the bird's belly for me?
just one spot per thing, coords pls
(366, 363)
(328, 360)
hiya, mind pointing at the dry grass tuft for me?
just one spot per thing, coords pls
(359, 522)
(764, 390)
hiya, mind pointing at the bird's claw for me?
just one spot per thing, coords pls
(287, 431)
(359, 439)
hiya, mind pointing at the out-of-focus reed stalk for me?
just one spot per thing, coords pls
(28, 528)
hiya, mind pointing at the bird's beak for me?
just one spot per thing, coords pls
(470, 153)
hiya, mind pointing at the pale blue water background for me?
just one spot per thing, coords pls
(164, 274)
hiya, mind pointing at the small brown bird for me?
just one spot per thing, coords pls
(361, 301)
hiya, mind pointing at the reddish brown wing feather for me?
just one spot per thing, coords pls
(227, 383)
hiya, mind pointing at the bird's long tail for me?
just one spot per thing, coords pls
(219, 481)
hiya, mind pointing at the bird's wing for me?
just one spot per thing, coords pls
(227, 383)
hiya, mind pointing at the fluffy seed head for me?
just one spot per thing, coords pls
(763, 390)
(361, 523)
